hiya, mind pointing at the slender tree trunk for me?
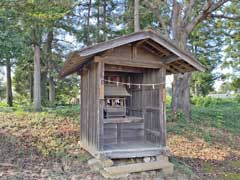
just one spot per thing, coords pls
(51, 84)
(88, 42)
(98, 21)
(31, 85)
(51, 90)
(44, 89)
(136, 16)
(9, 84)
(105, 20)
(37, 79)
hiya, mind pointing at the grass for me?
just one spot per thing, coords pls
(209, 143)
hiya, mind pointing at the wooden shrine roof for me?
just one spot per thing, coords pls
(112, 90)
(177, 60)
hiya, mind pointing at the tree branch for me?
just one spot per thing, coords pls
(156, 12)
(207, 9)
(188, 11)
(222, 16)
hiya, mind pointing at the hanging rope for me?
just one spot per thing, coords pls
(133, 84)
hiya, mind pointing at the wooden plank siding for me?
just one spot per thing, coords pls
(90, 121)
(154, 107)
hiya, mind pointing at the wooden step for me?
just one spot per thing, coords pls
(123, 170)
(127, 119)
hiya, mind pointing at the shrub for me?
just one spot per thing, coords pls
(209, 101)
(168, 100)
(237, 98)
(3, 104)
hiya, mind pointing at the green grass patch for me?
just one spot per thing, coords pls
(230, 176)
(182, 167)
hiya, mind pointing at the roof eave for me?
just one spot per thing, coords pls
(141, 35)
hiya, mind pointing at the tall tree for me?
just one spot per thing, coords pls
(206, 43)
(184, 17)
(10, 46)
(50, 68)
(136, 16)
(34, 17)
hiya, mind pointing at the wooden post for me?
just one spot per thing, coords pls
(162, 106)
(100, 96)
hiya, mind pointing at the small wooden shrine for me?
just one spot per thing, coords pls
(123, 110)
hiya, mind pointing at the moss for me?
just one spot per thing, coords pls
(208, 167)
(230, 176)
(235, 164)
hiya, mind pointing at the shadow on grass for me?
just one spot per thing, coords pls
(228, 169)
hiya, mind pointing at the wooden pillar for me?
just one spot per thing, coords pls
(100, 114)
(162, 106)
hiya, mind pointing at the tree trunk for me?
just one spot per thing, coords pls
(136, 16)
(88, 42)
(181, 95)
(9, 84)
(31, 85)
(37, 79)
(51, 96)
(51, 90)
(44, 89)
(105, 37)
(98, 21)
(181, 82)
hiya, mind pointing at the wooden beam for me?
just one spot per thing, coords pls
(126, 62)
(171, 70)
(186, 66)
(177, 68)
(133, 153)
(124, 120)
(174, 49)
(170, 59)
(114, 68)
(106, 53)
(139, 43)
(159, 48)
(138, 167)
(152, 51)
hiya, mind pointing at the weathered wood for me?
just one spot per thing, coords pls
(138, 167)
(89, 149)
(114, 68)
(126, 62)
(179, 69)
(128, 119)
(162, 115)
(78, 57)
(161, 49)
(110, 133)
(132, 153)
(100, 107)
(170, 59)
(88, 121)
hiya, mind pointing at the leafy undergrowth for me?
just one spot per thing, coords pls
(41, 145)
(210, 143)
(45, 146)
